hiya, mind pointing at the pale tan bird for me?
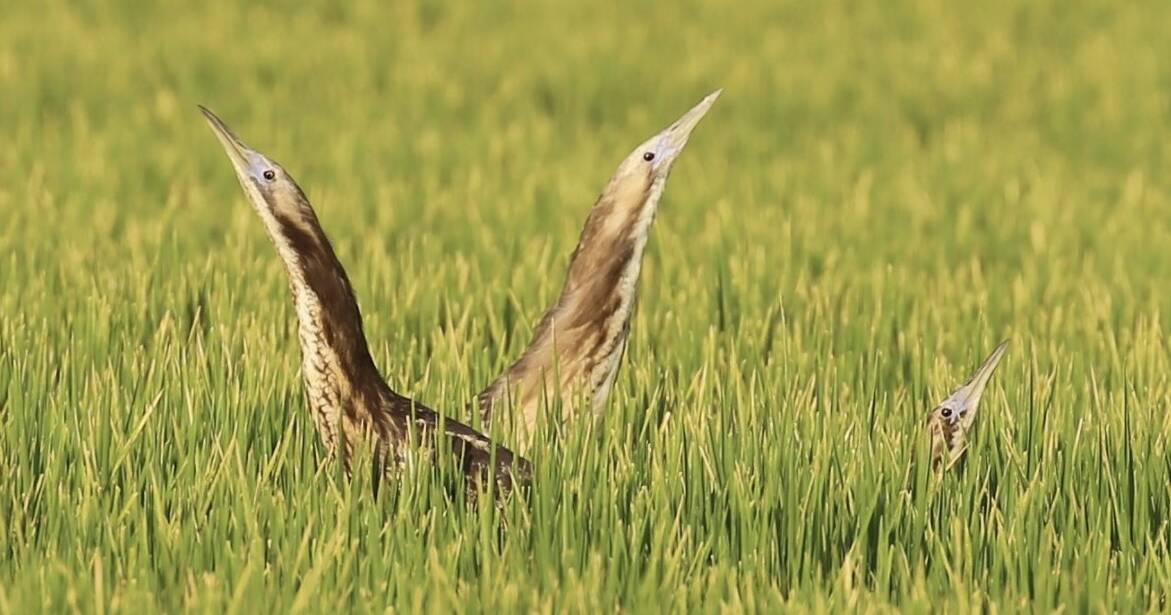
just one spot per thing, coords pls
(578, 344)
(951, 421)
(348, 398)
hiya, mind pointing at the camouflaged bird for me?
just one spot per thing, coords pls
(347, 395)
(578, 344)
(951, 421)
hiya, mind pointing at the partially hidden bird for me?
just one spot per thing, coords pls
(347, 395)
(577, 346)
(950, 423)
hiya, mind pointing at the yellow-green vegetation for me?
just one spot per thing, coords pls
(884, 191)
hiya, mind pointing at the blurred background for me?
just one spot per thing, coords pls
(858, 131)
(1025, 137)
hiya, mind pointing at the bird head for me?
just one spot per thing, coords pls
(273, 193)
(650, 163)
(629, 201)
(658, 154)
(951, 420)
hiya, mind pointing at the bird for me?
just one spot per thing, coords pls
(578, 344)
(951, 421)
(347, 396)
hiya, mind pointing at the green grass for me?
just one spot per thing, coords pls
(884, 191)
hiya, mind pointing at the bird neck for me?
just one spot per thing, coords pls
(342, 383)
(582, 336)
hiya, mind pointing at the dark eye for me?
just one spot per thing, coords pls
(649, 156)
(946, 413)
(270, 175)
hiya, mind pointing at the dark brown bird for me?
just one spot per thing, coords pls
(951, 421)
(579, 342)
(348, 397)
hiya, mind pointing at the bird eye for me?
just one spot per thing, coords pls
(270, 175)
(946, 413)
(649, 156)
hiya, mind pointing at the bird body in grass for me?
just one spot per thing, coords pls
(578, 344)
(950, 423)
(347, 395)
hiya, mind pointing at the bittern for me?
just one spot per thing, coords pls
(578, 344)
(951, 421)
(347, 395)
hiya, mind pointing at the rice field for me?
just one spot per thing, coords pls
(883, 192)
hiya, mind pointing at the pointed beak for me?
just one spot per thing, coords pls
(237, 152)
(971, 392)
(672, 140)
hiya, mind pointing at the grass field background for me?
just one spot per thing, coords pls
(884, 191)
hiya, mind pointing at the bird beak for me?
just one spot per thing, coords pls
(970, 393)
(671, 141)
(237, 152)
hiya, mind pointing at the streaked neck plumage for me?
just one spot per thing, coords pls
(345, 389)
(578, 344)
(347, 395)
